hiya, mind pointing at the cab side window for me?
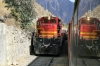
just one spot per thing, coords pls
(52, 21)
(45, 20)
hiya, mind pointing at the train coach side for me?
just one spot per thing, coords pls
(84, 34)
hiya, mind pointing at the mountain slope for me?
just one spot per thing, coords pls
(61, 8)
(40, 11)
(89, 5)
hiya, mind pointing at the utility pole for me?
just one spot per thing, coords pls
(90, 8)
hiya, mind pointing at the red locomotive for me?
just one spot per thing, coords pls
(89, 35)
(86, 36)
(48, 38)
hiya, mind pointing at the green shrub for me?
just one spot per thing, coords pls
(21, 10)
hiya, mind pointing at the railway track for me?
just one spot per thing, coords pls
(42, 61)
(88, 61)
(60, 60)
(49, 61)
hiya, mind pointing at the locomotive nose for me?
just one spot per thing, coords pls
(46, 45)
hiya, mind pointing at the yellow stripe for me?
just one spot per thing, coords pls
(87, 37)
(88, 33)
(47, 35)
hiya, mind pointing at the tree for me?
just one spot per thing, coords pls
(22, 10)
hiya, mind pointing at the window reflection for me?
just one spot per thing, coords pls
(85, 39)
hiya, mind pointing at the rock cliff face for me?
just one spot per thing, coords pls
(17, 45)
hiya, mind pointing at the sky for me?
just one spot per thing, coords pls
(72, 0)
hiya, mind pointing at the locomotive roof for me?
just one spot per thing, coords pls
(46, 17)
(84, 17)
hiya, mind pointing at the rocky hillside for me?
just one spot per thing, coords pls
(40, 11)
(17, 46)
(89, 5)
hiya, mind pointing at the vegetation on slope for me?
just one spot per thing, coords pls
(21, 10)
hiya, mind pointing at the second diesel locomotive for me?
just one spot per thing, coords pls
(89, 35)
(48, 38)
(86, 35)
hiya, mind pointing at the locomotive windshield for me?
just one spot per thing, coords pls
(52, 21)
(45, 20)
(91, 21)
